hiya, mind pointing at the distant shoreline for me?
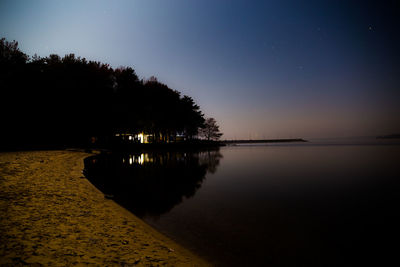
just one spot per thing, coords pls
(390, 136)
(264, 141)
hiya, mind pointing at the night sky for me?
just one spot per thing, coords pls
(262, 69)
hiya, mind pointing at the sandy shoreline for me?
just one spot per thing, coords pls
(51, 216)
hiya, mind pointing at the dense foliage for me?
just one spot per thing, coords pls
(70, 100)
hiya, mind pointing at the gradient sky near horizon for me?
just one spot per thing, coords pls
(263, 69)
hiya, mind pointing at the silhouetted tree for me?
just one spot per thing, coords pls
(13, 78)
(10, 54)
(191, 116)
(210, 131)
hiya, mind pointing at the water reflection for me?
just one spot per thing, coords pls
(266, 205)
(136, 159)
(151, 183)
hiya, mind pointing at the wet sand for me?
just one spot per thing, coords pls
(51, 215)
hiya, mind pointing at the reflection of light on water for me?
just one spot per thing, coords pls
(137, 159)
(141, 159)
(147, 158)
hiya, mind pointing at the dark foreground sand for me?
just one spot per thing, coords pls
(50, 215)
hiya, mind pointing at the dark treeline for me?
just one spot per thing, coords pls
(70, 101)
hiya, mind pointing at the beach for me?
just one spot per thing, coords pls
(52, 215)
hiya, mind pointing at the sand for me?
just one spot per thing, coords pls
(51, 215)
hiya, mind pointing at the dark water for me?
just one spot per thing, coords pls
(281, 205)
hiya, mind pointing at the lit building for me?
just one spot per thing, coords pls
(135, 138)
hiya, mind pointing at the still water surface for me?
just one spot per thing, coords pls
(282, 205)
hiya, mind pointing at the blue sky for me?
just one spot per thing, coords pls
(263, 69)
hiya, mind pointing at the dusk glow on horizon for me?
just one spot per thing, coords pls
(262, 69)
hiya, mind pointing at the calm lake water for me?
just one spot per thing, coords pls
(274, 205)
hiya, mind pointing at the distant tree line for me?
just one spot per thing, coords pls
(69, 100)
